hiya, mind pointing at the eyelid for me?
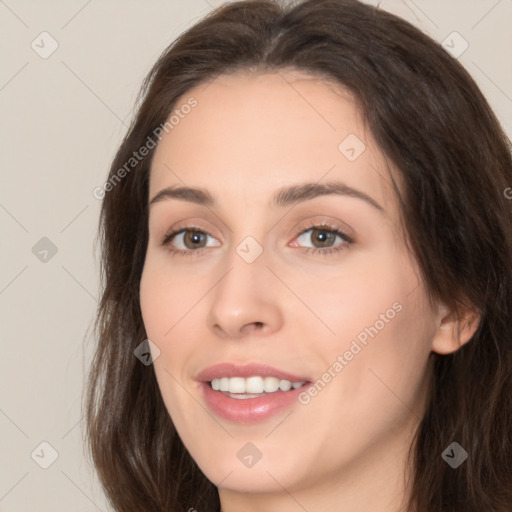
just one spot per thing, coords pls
(347, 240)
(192, 226)
(329, 225)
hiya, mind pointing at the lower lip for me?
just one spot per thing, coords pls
(249, 410)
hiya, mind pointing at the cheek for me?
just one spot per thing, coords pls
(165, 300)
(352, 295)
(381, 331)
(386, 368)
(170, 302)
(166, 297)
(377, 386)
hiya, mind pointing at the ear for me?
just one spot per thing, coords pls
(454, 328)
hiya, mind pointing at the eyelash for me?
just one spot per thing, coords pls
(333, 229)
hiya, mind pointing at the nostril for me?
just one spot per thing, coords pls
(254, 327)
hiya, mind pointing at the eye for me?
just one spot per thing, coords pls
(193, 241)
(323, 239)
(188, 240)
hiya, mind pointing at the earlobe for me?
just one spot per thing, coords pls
(454, 330)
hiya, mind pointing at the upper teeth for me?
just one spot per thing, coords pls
(253, 384)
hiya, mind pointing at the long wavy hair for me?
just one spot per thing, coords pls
(433, 124)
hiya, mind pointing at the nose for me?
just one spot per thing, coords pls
(244, 301)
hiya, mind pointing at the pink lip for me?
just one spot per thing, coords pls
(249, 370)
(250, 410)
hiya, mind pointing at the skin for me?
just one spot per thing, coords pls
(249, 135)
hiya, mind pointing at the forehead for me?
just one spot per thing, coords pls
(251, 133)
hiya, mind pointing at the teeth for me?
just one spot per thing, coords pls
(285, 385)
(253, 385)
(270, 384)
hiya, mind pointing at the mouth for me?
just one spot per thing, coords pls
(252, 387)
(249, 394)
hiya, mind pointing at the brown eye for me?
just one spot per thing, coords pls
(322, 237)
(189, 240)
(323, 240)
(194, 239)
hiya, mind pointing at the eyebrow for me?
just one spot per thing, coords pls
(286, 196)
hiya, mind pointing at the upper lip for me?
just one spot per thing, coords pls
(247, 370)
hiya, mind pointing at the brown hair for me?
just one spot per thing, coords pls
(435, 126)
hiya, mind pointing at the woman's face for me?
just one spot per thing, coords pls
(265, 286)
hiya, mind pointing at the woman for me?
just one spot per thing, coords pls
(307, 256)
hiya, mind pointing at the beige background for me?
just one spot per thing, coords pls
(62, 119)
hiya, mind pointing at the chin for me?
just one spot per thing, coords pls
(237, 465)
(258, 479)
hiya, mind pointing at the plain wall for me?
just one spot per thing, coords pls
(62, 118)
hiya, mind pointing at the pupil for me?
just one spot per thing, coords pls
(323, 236)
(195, 238)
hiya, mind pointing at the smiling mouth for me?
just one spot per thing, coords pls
(252, 387)
(249, 393)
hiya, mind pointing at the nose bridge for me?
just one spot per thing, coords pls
(243, 298)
